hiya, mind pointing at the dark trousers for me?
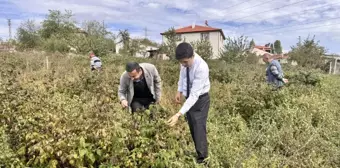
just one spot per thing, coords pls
(197, 120)
(98, 69)
(141, 104)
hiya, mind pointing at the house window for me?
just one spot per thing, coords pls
(178, 37)
(204, 36)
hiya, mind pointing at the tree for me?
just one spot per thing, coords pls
(148, 42)
(135, 46)
(278, 47)
(99, 39)
(272, 49)
(95, 28)
(27, 35)
(235, 49)
(132, 46)
(57, 24)
(308, 53)
(252, 43)
(124, 36)
(203, 48)
(252, 58)
(93, 36)
(55, 44)
(169, 46)
(58, 31)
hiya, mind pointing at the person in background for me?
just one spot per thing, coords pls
(194, 84)
(140, 86)
(95, 62)
(274, 72)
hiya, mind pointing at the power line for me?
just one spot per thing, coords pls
(251, 6)
(270, 10)
(328, 5)
(236, 5)
(299, 29)
(293, 25)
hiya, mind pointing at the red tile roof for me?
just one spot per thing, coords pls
(280, 56)
(196, 29)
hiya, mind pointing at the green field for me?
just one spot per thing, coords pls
(63, 115)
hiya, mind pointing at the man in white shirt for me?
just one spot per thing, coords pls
(95, 62)
(194, 84)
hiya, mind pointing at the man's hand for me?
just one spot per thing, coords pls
(178, 97)
(173, 120)
(285, 80)
(124, 103)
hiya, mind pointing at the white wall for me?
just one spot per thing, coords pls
(118, 47)
(215, 39)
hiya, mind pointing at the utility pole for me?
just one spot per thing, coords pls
(146, 32)
(103, 28)
(9, 28)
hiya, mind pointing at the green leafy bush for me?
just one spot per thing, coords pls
(55, 44)
(67, 116)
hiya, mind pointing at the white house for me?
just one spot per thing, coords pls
(118, 47)
(196, 32)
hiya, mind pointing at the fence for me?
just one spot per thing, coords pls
(5, 47)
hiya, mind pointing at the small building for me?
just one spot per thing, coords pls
(194, 33)
(264, 48)
(7, 47)
(260, 51)
(334, 63)
(147, 51)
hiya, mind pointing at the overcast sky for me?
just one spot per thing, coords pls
(263, 20)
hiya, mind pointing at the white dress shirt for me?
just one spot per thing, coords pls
(95, 62)
(199, 82)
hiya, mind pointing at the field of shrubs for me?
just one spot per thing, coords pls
(64, 115)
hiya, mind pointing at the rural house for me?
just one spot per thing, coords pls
(263, 48)
(196, 32)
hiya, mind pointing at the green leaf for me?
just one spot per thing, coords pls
(72, 162)
(91, 157)
(99, 152)
(42, 158)
(75, 156)
(53, 163)
(82, 152)
(82, 142)
(36, 160)
(139, 155)
(22, 150)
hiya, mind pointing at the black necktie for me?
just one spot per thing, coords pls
(188, 82)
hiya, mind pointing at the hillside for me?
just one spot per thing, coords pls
(68, 116)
